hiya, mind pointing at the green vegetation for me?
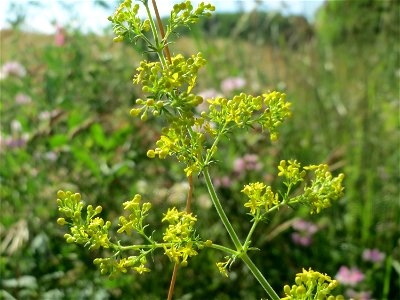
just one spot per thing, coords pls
(65, 123)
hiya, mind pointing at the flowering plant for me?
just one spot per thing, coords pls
(193, 140)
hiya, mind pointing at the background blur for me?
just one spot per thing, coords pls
(66, 92)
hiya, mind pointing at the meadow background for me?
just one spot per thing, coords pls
(65, 124)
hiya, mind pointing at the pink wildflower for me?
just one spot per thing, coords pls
(302, 240)
(224, 181)
(12, 68)
(59, 37)
(231, 84)
(249, 162)
(358, 295)
(350, 277)
(302, 225)
(373, 255)
(22, 98)
(305, 232)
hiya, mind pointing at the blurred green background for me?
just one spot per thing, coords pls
(65, 124)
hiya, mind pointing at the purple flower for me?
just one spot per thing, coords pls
(305, 231)
(239, 165)
(224, 181)
(249, 162)
(252, 162)
(302, 240)
(350, 277)
(304, 226)
(232, 83)
(14, 143)
(21, 98)
(373, 255)
(12, 68)
(363, 295)
(59, 37)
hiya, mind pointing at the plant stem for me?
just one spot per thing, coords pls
(260, 277)
(253, 227)
(155, 35)
(161, 27)
(172, 284)
(243, 255)
(220, 210)
(224, 249)
(209, 155)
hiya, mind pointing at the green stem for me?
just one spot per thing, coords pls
(158, 47)
(253, 268)
(253, 227)
(386, 283)
(210, 153)
(224, 249)
(259, 276)
(139, 247)
(220, 210)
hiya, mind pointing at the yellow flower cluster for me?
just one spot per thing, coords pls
(311, 285)
(183, 14)
(291, 171)
(260, 197)
(111, 265)
(181, 74)
(180, 236)
(268, 110)
(137, 214)
(126, 22)
(92, 232)
(323, 189)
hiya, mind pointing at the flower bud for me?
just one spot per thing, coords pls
(286, 289)
(98, 209)
(300, 290)
(61, 221)
(208, 243)
(134, 112)
(143, 117)
(61, 194)
(151, 154)
(184, 263)
(118, 39)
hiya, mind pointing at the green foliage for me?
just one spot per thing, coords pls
(184, 138)
(76, 134)
(338, 22)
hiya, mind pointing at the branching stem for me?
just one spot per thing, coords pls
(161, 27)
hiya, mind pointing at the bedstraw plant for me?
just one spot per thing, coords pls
(193, 139)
